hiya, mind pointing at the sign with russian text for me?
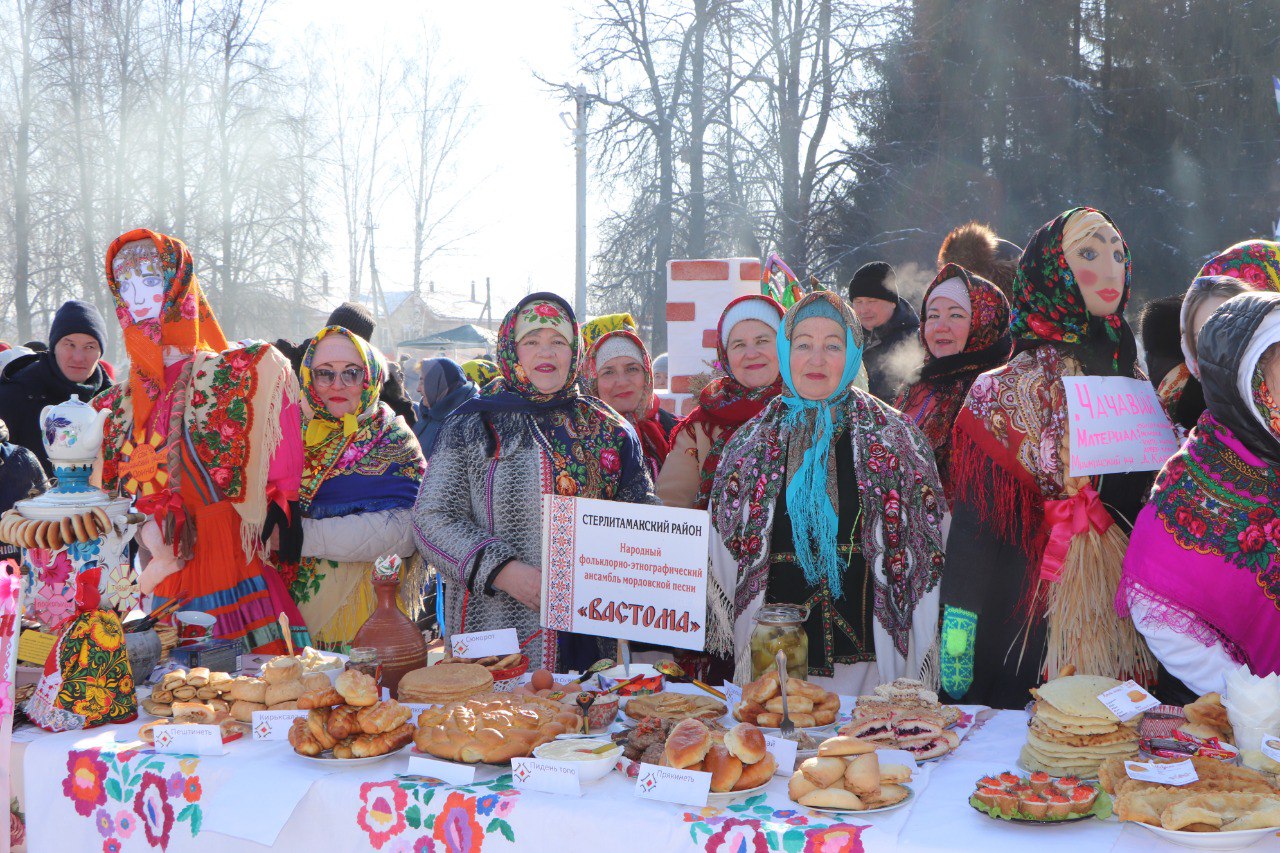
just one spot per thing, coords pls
(1116, 424)
(629, 571)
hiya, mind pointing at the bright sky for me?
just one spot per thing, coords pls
(519, 157)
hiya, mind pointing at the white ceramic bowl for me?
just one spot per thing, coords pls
(591, 769)
(1211, 840)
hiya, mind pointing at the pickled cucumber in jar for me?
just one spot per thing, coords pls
(780, 628)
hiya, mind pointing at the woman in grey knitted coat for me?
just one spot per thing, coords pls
(479, 514)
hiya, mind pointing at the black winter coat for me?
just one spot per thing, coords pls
(884, 379)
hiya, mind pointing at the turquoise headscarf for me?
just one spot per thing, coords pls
(810, 498)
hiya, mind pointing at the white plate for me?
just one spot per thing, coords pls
(731, 796)
(350, 762)
(1212, 840)
(911, 796)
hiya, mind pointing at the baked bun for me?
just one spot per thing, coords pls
(195, 712)
(799, 786)
(823, 771)
(316, 681)
(687, 744)
(278, 692)
(889, 795)
(725, 768)
(845, 745)
(755, 775)
(862, 776)
(357, 688)
(795, 704)
(832, 798)
(242, 710)
(281, 670)
(746, 743)
(323, 697)
(894, 774)
(198, 676)
(249, 690)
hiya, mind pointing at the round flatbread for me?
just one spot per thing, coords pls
(1077, 695)
(673, 706)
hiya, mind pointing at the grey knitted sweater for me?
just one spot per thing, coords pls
(475, 513)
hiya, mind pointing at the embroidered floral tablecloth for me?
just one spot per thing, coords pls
(88, 794)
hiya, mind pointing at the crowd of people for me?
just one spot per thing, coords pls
(924, 517)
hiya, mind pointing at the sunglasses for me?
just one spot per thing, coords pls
(324, 377)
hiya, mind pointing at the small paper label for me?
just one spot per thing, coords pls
(189, 740)
(446, 771)
(558, 678)
(550, 777)
(274, 725)
(484, 643)
(784, 752)
(416, 708)
(1176, 773)
(732, 695)
(1127, 700)
(34, 647)
(1271, 747)
(896, 756)
(686, 787)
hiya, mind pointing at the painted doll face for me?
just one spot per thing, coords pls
(1098, 266)
(140, 279)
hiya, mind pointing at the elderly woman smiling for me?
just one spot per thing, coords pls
(965, 333)
(830, 500)
(529, 433)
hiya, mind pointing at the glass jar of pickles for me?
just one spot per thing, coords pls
(780, 628)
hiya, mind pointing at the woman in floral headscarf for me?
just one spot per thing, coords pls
(363, 467)
(828, 499)
(965, 331)
(1016, 610)
(529, 433)
(206, 437)
(1202, 574)
(747, 352)
(618, 372)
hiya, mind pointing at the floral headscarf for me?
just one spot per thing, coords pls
(322, 421)
(480, 371)
(1048, 304)
(587, 439)
(933, 402)
(1254, 261)
(645, 415)
(810, 488)
(186, 321)
(725, 402)
(598, 327)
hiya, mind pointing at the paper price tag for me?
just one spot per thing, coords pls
(274, 725)
(1127, 700)
(34, 647)
(732, 695)
(1271, 747)
(416, 708)
(550, 777)
(1176, 773)
(686, 787)
(484, 643)
(896, 756)
(784, 752)
(445, 771)
(563, 679)
(189, 740)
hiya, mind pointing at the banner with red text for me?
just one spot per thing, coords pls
(1116, 424)
(629, 571)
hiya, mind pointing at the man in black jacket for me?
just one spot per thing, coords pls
(70, 366)
(890, 326)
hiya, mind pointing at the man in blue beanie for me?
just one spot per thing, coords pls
(72, 365)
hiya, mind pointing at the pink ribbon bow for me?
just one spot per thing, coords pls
(1066, 519)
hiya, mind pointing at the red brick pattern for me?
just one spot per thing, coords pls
(680, 311)
(687, 405)
(669, 405)
(701, 271)
(709, 338)
(749, 271)
(681, 385)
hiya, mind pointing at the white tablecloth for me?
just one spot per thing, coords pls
(81, 795)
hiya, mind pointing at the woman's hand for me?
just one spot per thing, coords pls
(522, 582)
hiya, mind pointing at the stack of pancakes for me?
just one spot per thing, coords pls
(1072, 732)
(439, 685)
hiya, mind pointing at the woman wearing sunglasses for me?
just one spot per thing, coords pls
(359, 481)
